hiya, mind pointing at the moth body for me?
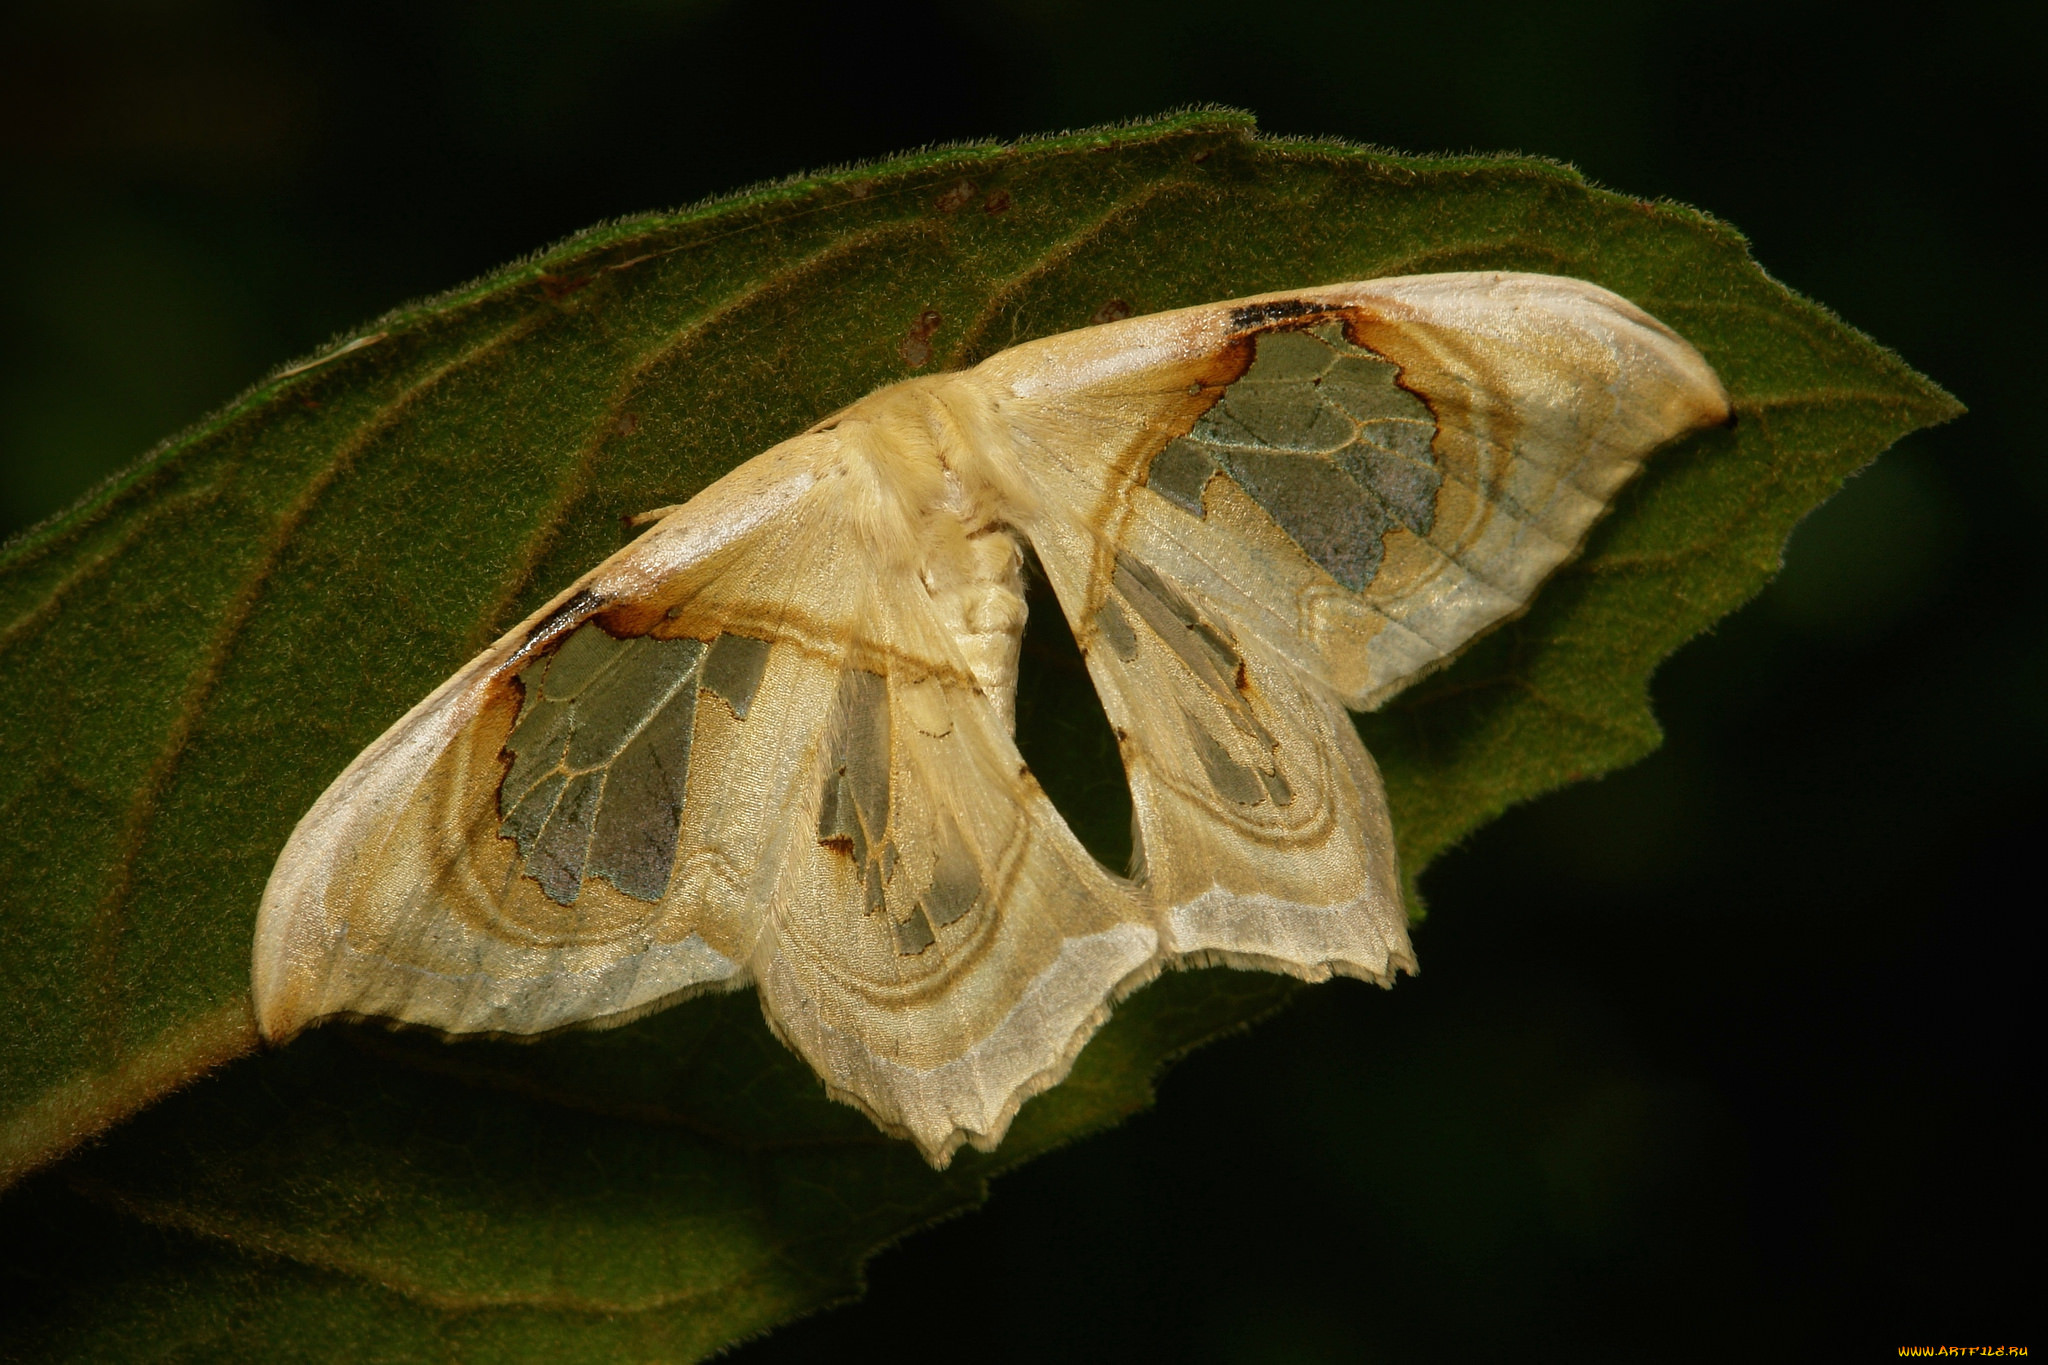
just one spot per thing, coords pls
(947, 497)
(771, 741)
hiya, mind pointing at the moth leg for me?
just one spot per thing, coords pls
(639, 519)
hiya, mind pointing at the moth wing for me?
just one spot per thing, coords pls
(943, 946)
(439, 879)
(742, 749)
(1364, 476)
(1256, 514)
(1262, 827)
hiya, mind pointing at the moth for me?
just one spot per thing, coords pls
(771, 741)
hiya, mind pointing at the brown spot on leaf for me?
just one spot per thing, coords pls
(626, 424)
(860, 189)
(1114, 311)
(1199, 157)
(559, 287)
(917, 343)
(999, 202)
(955, 199)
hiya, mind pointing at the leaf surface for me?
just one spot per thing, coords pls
(193, 654)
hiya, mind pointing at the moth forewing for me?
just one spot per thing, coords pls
(771, 739)
(362, 916)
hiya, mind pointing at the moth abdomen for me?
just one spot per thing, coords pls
(976, 590)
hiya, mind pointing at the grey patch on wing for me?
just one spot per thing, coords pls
(1212, 658)
(956, 881)
(853, 809)
(839, 822)
(555, 858)
(914, 935)
(1111, 626)
(600, 757)
(863, 706)
(1176, 622)
(853, 817)
(1180, 472)
(634, 844)
(583, 656)
(1321, 435)
(733, 670)
(543, 731)
(1231, 779)
(1320, 508)
(613, 710)
(530, 816)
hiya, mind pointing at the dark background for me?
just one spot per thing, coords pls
(1720, 1057)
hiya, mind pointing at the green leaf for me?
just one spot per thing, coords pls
(193, 653)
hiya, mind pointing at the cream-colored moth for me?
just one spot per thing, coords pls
(771, 740)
